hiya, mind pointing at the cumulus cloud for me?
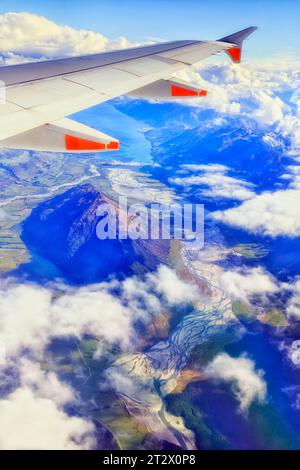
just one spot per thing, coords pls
(247, 383)
(294, 353)
(44, 384)
(218, 97)
(121, 382)
(36, 408)
(293, 305)
(216, 182)
(269, 110)
(26, 34)
(293, 175)
(40, 424)
(23, 317)
(164, 287)
(246, 283)
(31, 316)
(175, 290)
(289, 126)
(252, 90)
(270, 213)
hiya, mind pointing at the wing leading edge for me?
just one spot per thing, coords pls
(40, 95)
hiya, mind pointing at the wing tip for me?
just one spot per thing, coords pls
(238, 37)
(236, 42)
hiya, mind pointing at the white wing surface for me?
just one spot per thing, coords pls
(40, 95)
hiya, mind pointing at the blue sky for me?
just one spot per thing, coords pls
(278, 21)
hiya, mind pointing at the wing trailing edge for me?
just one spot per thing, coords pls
(63, 135)
(168, 90)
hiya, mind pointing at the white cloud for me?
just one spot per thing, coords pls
(139, 294)
(251, 90)
(36, 410)
(31, 422)
(216, 183)
(44, 384)
(98, 313)
(31, 316)
(294, 353)
(32, 35)
(270, 213)
(293, 305)
(213, 167)
(218, 98)
(120, 382)
(293, 175)
(164, 282)
(175, 290)
(247, 382)
(24, 317)
(270, 108)
(243, 284)
(289, 126)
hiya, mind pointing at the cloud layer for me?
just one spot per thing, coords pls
(214, 182)
(265, 92)
(40, 425)
(270, 213)
(32, 316)
(31, 35)
(36, 409)
(246, 283)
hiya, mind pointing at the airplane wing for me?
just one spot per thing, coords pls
(40, 95)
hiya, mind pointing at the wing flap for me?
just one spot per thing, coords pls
(168, 90)
(63, 135)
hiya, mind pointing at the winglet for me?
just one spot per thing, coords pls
(236, 41)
